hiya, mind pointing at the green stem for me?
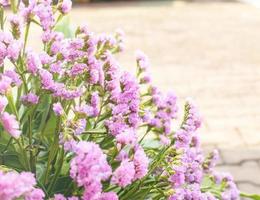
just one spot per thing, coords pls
(2, 18)
(26, 36)
(24, 155)
(13, 6)
(32, 158)
(147, 131)
(12, 104)
(57, 171)
(53, 151)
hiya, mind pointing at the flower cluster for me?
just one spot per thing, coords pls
(14, 185)
(76, 126)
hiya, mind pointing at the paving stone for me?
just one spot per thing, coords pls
(247, 172)
(230, 156)
(248, 188)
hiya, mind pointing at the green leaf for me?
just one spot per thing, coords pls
(250, 196)
(64, 27)
(62, 184)
(11, 160)
(49, 128)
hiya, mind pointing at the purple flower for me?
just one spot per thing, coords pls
(14, 185)
(80, 127)
(128, 136)
(33, 62)
(142, 60)
(108, 196)
(16, 25)
(58, 109)
(59, 197)
(89, 167)
(30, 99)
(45, 14)
(4, 3)
(5, 84)
(66, 6)
(10, 124)
(124, 174)
(178, 177)
(56, 68)
(77, 69)
(13, 49)
(14, 76)
(35, 194)
(141, 163)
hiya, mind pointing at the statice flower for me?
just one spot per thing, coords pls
(14, 49)
(58, 109)
(124, 174)
(45, 14)
(65, 6)
(33, 62)
(80, 126)
(177, 179)
(30, 99)
(89, 167)
(4, 3)
(141, 163)
(13, 76)
(61, 197)
(14, 185)
(16, 25)
(10, 124)
(211, 160)
(5, 84)
(142, 61)
(128, 136)
(35, 194)
(108, 196)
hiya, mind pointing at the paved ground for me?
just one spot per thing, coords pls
(210, 51)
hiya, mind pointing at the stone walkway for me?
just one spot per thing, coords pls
(244, 166)
(209, 51)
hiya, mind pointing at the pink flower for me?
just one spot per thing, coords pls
(35, 194)
(14, 185)
(66, 6)
(3, 103)
(141, 163)
(88, 168)
(124, 174)
(59, 197)
(30, 99)
(13, 49)
(10, 124)
(33, 62)
(108, 196)
(14, 76)
(127, 137)
(57, 108)
(5, 84)
(4, 3)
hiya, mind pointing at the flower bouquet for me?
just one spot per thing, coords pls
(74, 125)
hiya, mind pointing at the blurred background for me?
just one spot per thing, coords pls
(208, 50)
